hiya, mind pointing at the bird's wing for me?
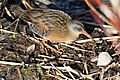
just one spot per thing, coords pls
(46, 19)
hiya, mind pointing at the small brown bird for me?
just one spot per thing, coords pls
(54, 25)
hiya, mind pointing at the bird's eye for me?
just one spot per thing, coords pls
(80, 29)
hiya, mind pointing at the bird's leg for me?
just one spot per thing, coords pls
(48, 46)
(16, 21)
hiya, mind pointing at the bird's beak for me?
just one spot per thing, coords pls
(86, 34)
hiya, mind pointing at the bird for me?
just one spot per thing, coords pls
(53, 25)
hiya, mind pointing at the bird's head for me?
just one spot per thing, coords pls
(77, 28)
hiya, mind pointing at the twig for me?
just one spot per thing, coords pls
(89, 76)
(26, 4)
(6, 31)
(86, 68)
(76, 48)
(98, 39)
(62, 59)
(70, 73)
(58, 70)
(102, 73)
(58, 78)
(11, 63)
(116, 77)
(8, 12)
(46, 56)
(19, 73)
(62, 68)
(110, 66)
